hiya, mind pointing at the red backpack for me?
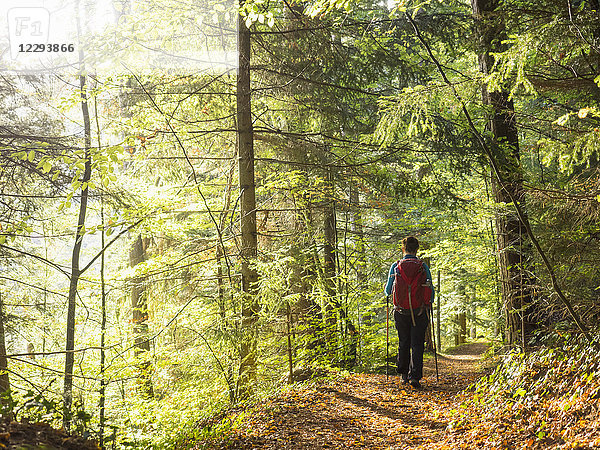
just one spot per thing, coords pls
(411, 289)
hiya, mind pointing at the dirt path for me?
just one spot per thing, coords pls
(364, 411)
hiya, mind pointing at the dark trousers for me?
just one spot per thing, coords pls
(411, 343)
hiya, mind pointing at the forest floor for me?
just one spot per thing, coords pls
(364, 411)
(40, 435)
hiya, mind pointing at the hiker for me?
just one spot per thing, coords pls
(410, 281)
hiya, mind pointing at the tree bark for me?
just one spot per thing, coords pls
(462, 328)
(511, 234)
(75, 271)
(438, 303)
(4, 378)
(139, 307)
(103, 382)
(220, 254)
(245, 139)
(329, 276)
(360, 259)
(473, 318)
(359, 236)
(461, 316)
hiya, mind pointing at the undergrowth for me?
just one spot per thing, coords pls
(548, 398)
(216, 430)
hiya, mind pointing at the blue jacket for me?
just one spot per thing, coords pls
(392, 276)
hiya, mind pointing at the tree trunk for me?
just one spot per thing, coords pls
(359, 237)
(220, 254)
(289, 342)
(329, 277)
(4, 379)
(473, 318)
(139, 308)
(430, 333)
(429, 336)
(462, 328)
(438, 303)
(305, 273)
(103, 382)
(511, 233)
(360, 259)
(75, 273)
(461, 316)
(245, 140)
(456, 328)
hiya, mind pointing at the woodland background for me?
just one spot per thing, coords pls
(175, 243)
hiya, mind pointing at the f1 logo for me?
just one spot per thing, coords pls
(27, 26)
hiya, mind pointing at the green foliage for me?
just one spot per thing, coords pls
(348, 114)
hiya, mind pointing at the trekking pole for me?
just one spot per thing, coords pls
(437, 374)
(387, 338)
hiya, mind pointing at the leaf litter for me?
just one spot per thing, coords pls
(359, 411)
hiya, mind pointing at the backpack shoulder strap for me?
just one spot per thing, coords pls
(403, 274)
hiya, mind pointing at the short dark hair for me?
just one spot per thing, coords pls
(410, 244)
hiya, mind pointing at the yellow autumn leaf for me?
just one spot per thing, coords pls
(583, 112)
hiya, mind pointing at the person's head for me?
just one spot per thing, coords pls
(410, 245)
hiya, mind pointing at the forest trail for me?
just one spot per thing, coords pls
(365, 410)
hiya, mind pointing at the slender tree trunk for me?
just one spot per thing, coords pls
(438, 303)
(360, 260)
(473, 319)
(289, 341)
(456, 321)
(329, 251)
(461, 316)
(103, 381)
(462, 328)
(305, 272)
(139, 308)
(4, 378)
(430, 334)
(511, 233)
(220, 250)
(248, 255)
(74, 279)
(359, 237)
(329, 272)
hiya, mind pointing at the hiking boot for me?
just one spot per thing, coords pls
(403, 376)
(415, 384)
